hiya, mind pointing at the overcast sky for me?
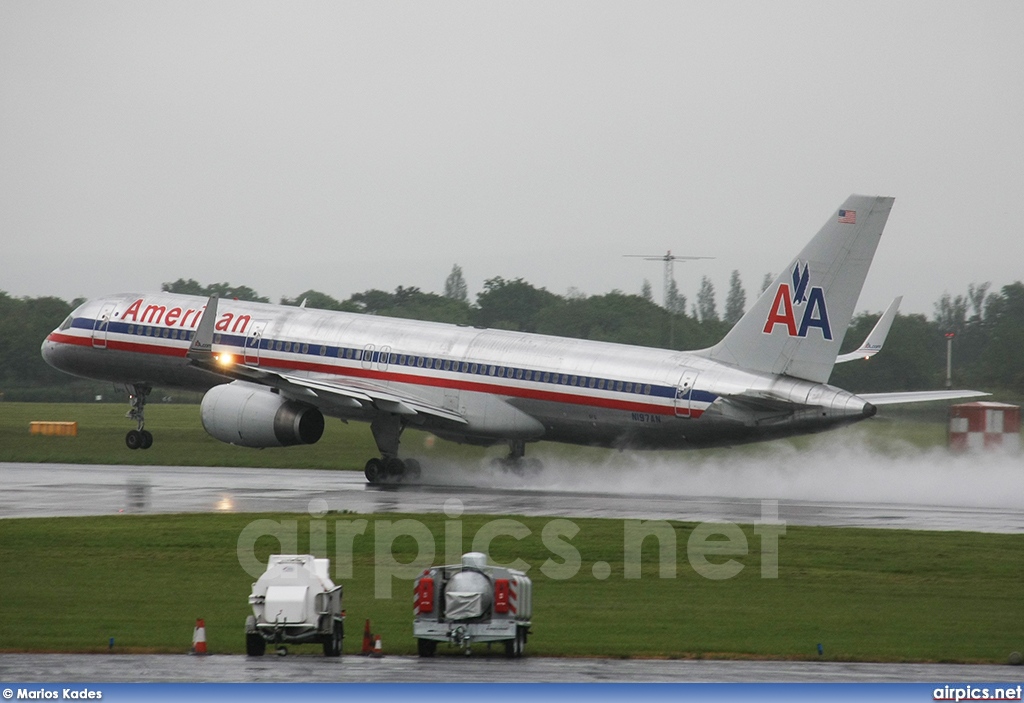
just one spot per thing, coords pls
(342, 146)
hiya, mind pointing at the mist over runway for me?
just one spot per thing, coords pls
(830, 484)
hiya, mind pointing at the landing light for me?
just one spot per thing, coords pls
(225, 359)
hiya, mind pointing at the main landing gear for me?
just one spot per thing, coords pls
(387, 431)
(140, 438)
(516, 461)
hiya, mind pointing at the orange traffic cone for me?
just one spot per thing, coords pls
(199, 637)
(367, 640)
(378, 651)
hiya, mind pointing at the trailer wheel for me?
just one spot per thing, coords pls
(332, 644)
(514, 647)
(255, 645)
(426, 648)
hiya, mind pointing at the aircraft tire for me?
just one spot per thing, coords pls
(413, 469)
(374, 471)
(133, 440)
(147, 439)
(426, 648)
(394, 469)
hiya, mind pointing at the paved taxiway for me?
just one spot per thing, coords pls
(36, 490)
(156, 668)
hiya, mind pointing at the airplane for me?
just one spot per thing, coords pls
(271, 373)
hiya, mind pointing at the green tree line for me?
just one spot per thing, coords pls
(989, 329)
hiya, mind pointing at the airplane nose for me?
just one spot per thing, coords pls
(52, 355)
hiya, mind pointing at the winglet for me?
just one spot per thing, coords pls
(201, 348)
(876, 338)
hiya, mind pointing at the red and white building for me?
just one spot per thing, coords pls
(984, 426)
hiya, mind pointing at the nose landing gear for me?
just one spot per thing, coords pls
(139, 438)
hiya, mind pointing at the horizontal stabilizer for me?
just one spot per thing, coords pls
(917, 396)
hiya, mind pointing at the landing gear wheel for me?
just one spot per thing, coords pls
(426, 648)
(394, 469)
(147, 439)
(413, 470)
(133, 440)
(374, 471)
(255, 645)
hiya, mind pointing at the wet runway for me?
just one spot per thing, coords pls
(158, 668)
(35, 490)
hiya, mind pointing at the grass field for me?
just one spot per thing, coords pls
(70, 584)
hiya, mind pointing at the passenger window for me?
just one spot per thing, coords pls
(647, 389)
(473, 368)
(519, 374)
(590, 383)
(600, 384)
(323, 350)
(305, 348)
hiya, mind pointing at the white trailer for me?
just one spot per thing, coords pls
(295, 602)
(472, 602)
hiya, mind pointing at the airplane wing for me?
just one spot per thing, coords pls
(352, 393)
(917, 396)
(876, 338)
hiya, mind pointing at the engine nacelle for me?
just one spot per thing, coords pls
(253, 416)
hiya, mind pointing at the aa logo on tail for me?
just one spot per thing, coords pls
(790, 301)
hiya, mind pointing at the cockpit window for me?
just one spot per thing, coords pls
(67, 322)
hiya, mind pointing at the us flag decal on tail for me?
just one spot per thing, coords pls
(847, 217)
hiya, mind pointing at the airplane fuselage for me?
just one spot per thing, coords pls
(494, 385)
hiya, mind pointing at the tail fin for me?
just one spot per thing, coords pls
(796, 326)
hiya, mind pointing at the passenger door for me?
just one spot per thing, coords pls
(684, 393)
(101, 326)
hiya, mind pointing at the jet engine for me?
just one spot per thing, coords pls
(250, 415)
